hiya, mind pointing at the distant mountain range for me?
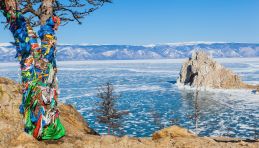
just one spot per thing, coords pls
(131, 52)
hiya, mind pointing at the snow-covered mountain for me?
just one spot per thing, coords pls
(127, 52)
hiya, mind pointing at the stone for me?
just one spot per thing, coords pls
(201, 71)
(24, 137)
(172, 132)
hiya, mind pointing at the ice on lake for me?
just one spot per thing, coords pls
(147, 89)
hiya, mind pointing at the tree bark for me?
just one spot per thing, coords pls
(11, 5)
(46, 11)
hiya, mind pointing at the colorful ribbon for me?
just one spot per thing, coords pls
(38, 70)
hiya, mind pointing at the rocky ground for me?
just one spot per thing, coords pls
(202, 71)
(80, 135)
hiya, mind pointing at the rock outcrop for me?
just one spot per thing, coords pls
(172, 132)
(202, 71)
(80, 135)
(11, 121)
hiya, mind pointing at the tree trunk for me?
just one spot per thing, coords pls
(109, 130)
(46, 11)
(197, 110)
(11, 5)
(40, 88)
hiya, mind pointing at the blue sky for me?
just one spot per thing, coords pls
(163, 21)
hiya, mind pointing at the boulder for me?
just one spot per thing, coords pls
(202, 71)
(172, 132)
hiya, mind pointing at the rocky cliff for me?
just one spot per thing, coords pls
(202, 71)
(80, 135)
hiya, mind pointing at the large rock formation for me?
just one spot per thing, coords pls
(80, 135)
(202, 71)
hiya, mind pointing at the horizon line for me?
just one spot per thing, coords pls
(146, 45)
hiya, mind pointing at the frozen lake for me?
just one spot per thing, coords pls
(153, 100)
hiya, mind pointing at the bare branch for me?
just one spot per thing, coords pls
(68, 11)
